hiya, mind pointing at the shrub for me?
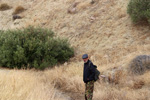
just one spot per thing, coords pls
(140, 64)
(32, 48)
(4, 6)
(18, 10)
(139, 10)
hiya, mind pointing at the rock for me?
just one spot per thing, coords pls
(16, 17)
(65, 64)
(92, 19)
(92, 2)
(72, 9)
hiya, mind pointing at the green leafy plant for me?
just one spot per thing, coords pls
(139, 10)
(32, 48)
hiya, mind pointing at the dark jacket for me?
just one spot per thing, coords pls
(88, 72)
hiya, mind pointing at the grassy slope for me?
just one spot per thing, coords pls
(103, 30)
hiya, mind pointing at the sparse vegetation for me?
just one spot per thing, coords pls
(110, 40)
(18, 10)
(4, 6)
(139, 10)
(32, 48)
(140, 64)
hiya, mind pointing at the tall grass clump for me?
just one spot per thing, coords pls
(4, 6)
(32, 48)
(18, 10)
(139, 10)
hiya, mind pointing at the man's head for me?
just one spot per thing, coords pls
(85, 58)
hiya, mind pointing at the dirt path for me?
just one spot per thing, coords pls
(75, 95)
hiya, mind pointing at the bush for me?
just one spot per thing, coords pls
(18, 10)
(4, 6)
(32, 48)
(139, 10)
(140, 64)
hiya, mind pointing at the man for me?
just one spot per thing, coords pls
(88, 77)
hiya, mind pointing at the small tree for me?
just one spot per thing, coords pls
(139, 10)
(32, 48)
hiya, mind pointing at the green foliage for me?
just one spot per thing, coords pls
(139, 10)
(32, 48)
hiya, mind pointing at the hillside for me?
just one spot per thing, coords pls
(103, 30)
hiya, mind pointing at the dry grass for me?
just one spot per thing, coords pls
(4, 6)
(18, 10)
(26, 85)
(110, 39)
(49, 85)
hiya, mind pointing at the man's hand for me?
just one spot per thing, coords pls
(101, 78)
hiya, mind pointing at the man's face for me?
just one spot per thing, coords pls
(85, 60)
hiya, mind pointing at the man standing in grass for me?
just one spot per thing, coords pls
(88, 77)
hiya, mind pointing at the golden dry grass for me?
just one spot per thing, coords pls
(52, 83)
(26, 85)
(105, 32)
